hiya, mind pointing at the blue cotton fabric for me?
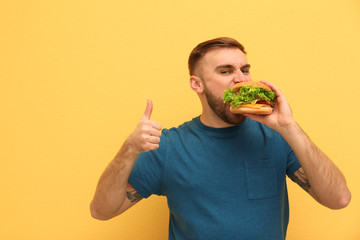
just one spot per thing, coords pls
(220, 183)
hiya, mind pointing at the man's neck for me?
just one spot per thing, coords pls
(214, 121)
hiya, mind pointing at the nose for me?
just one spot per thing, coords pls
(239, 77)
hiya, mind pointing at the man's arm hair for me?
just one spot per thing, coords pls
(114, 194)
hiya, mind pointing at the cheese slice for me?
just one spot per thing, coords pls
(256, 106)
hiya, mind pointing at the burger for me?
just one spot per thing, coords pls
(251, 98)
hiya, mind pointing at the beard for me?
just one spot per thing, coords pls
(222, 110)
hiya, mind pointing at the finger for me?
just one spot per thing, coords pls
(150, 127)
(155, 132)
(150, 146)
(153, 140)
(275, 89)
(154, 146)
(155, 125)
(148, 110)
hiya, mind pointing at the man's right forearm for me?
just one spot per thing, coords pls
(109, 200)
(111, 190)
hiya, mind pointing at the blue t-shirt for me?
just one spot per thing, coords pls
(220, 183)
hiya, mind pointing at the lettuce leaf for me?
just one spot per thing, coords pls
(248, 95)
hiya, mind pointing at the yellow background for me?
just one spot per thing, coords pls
(75, 76)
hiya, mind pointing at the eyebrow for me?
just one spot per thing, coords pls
(231, 66)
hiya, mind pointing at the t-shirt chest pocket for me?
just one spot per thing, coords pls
(260, 179)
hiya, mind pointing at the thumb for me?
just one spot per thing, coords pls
(148, 110)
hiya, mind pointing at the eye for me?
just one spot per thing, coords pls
(245, 71)
(225, 71)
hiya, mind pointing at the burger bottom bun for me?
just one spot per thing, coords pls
(265, 110)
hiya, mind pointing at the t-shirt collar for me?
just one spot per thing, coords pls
(221, 132)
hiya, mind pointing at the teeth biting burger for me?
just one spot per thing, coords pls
(250, 97)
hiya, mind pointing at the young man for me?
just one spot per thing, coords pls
(222, 173)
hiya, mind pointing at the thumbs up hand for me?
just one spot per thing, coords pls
(147, 134)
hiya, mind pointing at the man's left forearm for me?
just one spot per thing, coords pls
(328, 184)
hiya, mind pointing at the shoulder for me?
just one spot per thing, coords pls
(184, 128)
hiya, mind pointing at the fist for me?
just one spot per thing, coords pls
(147, 134)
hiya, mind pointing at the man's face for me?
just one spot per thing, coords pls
(221, 69)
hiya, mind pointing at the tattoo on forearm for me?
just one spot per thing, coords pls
(301, 180)
(133, 196)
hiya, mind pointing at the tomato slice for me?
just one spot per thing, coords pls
(263, 102)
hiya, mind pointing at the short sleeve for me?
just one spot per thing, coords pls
(293, 163)
(147, 173)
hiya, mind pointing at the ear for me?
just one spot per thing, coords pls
(196, 84)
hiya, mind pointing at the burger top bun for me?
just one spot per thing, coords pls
(237, 86)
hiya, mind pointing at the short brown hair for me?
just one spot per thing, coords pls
(201, 49)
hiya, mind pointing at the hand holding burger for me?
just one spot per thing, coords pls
(250, 98)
